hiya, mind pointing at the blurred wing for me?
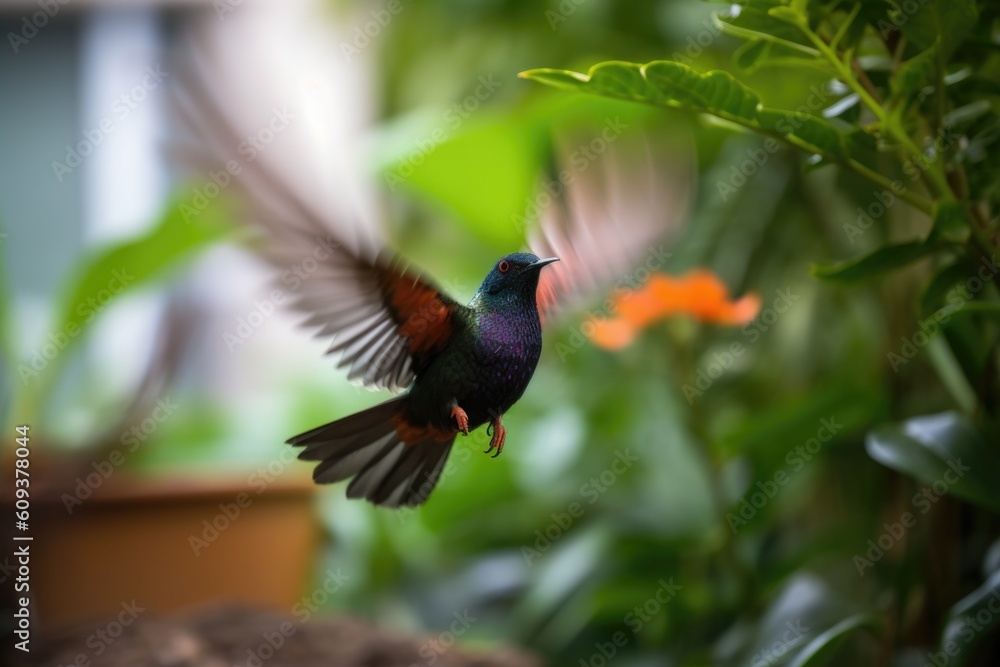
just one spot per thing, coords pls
(386, 322)
(611, 224)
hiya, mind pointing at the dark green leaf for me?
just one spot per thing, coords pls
(952, 20)
(915, 74)
(967, 113)
(966, 626)
(877, 262)
(755, 22)
(855, 31)
(855, 408)
(941, 449)
(819, 651)
(936, 294)
(983, 308)
(965, 341)
(749, 56)
(797, 617)
(950, 222)
(813, 132)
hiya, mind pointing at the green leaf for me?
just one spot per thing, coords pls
(487, 198)
(715, 92)
(750, 56)
(130, 265)
(967, 113)
(118, 269)
(660, 82)
(620, 79)
(951, 20)
(811, 131)
(805, 605)
(819, 651)
(914, 75)
(941, 449)
(755, 22)
(936, 295)
(557, 78)
(877, 262)
(855, 406)
(950, 222)
(965, 627)
(851, 33)
(675, 85)
(983, 308)
(788, 15)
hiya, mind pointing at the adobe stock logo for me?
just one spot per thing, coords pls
(38, 20)
(894, 532)
(86, 310)
(796, 459)
(365, 34)
(592, 489)
(121, 109)
(707, 374)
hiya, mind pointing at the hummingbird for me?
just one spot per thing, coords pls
(453, 367)
(465, 366)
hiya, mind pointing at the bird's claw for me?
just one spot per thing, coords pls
(499, 436)
(462, 419)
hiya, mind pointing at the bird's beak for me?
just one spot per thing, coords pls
(542, 262)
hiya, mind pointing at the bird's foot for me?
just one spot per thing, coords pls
(499, 433)
(462, 419)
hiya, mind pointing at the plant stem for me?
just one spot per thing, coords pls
(865, 81)
(936, 180)
(846, 25)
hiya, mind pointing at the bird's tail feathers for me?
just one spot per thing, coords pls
(368, 447)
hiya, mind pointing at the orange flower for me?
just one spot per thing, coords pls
(699, 294)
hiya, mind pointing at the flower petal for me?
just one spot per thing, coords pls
(699, 294)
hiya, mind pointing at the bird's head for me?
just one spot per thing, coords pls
(512, 278)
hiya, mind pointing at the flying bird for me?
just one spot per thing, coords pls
(455, 367)
(462, 367)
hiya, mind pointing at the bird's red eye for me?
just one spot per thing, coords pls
(504, 266)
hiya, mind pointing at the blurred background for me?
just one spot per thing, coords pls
(698, 497)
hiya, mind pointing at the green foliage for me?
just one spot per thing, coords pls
(878, 262)
(831, 42)
(718, 93)
(918, 86)
(132, 264)
(820, 650)
(942, 449)
(970, 620)
(880, 104)
(105, 276)
(760, 474)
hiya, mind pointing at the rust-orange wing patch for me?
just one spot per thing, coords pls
(424, 316)
(387, 322)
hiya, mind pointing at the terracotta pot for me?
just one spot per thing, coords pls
(169, 543)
